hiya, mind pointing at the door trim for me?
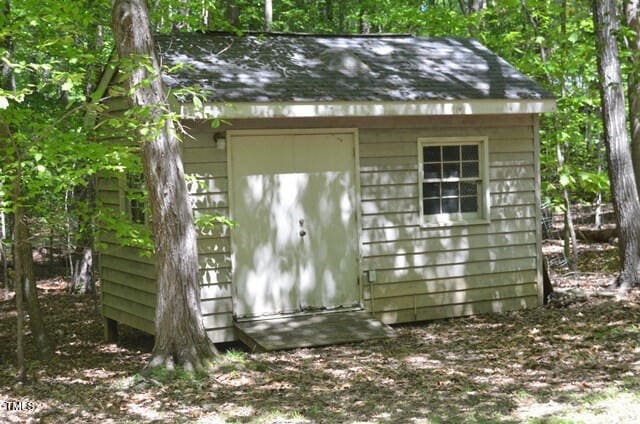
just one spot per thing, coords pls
(357, 198)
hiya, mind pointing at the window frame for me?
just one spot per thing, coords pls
(134, 201)
(482, 216)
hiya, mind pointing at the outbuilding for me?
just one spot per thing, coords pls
(391, 174)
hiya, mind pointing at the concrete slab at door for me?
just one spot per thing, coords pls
(295, 246)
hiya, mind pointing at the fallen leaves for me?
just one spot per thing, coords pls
(511, 367)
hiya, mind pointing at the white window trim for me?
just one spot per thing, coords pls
(484, 213)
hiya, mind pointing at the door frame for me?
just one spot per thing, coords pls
(357, 198)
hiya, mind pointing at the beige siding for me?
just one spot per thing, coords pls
(206, 170)
(127, 277)
(429, 273)
(421, 273)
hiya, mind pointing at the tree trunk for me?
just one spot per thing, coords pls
(7, 82)
(25, 280)
(268, 15)
(570, 239)
(22, 369)
(632, 13)
(232, 13)
(83, 273)
(180, 337)
(23, 253)
(623, 185)
(471, 6)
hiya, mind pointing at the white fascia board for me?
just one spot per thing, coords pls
(241, 110)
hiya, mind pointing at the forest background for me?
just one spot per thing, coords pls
(53, 53)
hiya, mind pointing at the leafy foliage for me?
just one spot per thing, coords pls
(56, 52)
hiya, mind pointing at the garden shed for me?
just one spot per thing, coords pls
(391, 174)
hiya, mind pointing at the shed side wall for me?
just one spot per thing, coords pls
(127, 276)
(429, 273)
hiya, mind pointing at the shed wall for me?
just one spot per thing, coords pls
(422, 273)
(127, 275)
(429, 273)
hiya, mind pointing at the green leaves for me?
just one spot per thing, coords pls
(208, 222)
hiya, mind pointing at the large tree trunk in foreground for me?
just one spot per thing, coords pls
(180, 337)
(623, 186)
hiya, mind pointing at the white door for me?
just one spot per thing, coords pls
(295, 247)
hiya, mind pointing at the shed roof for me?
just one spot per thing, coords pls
(338, 72)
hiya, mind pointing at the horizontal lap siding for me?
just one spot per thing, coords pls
(207, 180)
(421, 273)
(430, 273)
(129, 279)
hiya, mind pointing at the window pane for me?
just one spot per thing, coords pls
(431, 206)
(469, 204)
(432, 170)
(450, 153)
(470, 153)
(431, 154)
(452, 180)
(470, 169)
(468, 189)
(431, 189)
(449, 189)
(450, 205)
(451, 170)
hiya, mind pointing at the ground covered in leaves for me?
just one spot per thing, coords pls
(578, 361)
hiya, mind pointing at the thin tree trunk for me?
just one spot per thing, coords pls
(25, 279)
(7, 82)
(632, 13)
(232, 12)
(180, 337)
(25, 283)
(570, 239)
(268, 15)
(623, 186)
(22, 369)
(82, 269)
(83, 282)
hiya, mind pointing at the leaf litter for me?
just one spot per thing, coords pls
(577, 362)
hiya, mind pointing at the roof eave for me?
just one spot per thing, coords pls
(243, 110)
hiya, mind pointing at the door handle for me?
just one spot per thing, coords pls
(302, 231)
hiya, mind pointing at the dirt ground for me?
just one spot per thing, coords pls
(576, 361)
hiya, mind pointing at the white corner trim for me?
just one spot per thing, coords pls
(346, 109)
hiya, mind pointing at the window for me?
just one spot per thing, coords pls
(135, 199)
(453, 180)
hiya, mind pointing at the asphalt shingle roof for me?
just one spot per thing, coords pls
(290, 68)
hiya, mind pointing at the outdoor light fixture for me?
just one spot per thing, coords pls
(220, 140)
